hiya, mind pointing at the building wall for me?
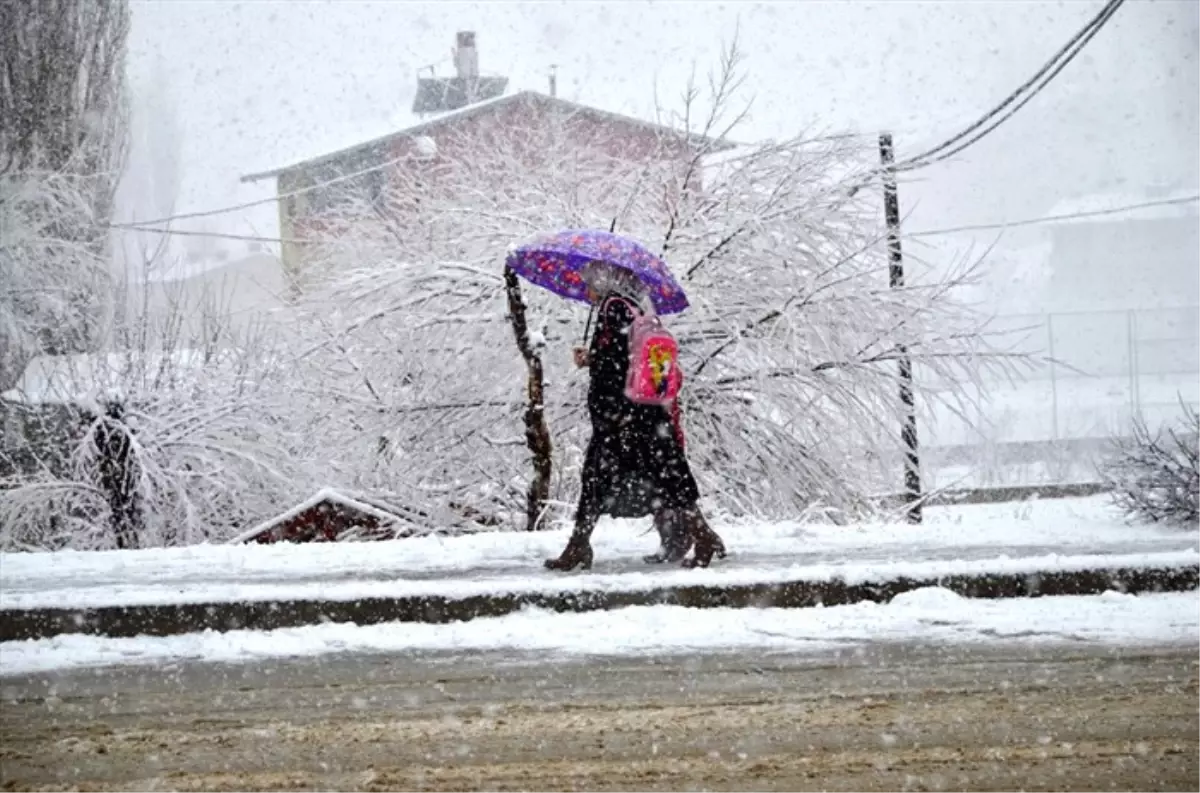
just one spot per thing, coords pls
(1125, 264)
(290, 208)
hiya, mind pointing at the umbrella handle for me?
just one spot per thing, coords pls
(587, 330)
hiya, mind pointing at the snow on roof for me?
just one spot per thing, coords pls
(423, 128)
(1112, 201)
(324, 495)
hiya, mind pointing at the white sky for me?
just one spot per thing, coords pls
(261, 84)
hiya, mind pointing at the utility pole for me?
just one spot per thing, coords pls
(908, 427)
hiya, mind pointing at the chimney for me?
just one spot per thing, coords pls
(466, 58)
(467, 86)
(553, 80)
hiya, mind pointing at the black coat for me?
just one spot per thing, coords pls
(635, 462)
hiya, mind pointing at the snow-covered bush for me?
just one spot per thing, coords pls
(1154, 475)
(157, 439)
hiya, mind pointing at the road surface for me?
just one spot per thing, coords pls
(889, 717)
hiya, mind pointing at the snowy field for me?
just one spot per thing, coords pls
(1032, 536)
(929, 616)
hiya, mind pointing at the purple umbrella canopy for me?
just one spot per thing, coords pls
(556, 262)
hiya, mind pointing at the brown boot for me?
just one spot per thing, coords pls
(578, 553)
(708, 543)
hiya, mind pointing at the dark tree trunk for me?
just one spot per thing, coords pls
(537, 434)
(118, 476)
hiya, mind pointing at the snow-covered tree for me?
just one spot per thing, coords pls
(790, 347)
(51, 269)
(62, 141)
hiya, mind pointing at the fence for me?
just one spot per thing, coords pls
(1096, 371)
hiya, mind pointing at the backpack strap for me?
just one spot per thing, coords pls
(604, 330)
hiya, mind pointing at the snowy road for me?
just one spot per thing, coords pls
(887, 716)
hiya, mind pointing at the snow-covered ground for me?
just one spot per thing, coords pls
(540, 581)
(1025, 537)
(930, 616)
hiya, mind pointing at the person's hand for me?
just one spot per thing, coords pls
(581, 356)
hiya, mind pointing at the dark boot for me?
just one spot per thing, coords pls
(578, 553)
(708, 543)
(674, 540)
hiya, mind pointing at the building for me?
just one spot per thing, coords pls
(472, 115)
(1108, 260)
(242, 295)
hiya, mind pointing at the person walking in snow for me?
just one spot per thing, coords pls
(635, 463)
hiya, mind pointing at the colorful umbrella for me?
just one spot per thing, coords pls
(556, 262)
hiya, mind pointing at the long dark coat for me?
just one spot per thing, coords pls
(635, 462)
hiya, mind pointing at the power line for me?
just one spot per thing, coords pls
(227, 236)
(929, 233)
(1045, 75)
(1055, 218)
(214, 234)
(262, 201)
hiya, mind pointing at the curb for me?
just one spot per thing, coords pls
(173, 619)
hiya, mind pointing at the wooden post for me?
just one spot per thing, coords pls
(537, 434)
(908, 427)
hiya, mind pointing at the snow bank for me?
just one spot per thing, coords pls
(932, 616)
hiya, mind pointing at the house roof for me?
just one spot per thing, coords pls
(325, 495)
(479, 108)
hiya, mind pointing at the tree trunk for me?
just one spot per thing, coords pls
(537, 434)
(118, 476)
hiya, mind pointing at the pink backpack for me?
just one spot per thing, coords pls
(654, 376)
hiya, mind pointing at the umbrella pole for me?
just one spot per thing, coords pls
(587, 329)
